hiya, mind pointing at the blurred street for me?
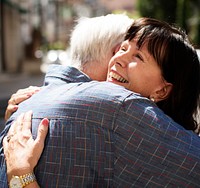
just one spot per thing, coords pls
(10, 83)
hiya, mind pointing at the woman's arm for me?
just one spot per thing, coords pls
(21, 151)
(18, 97)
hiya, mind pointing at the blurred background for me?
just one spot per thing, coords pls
(35, 33)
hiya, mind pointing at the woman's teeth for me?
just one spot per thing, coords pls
(118, 78)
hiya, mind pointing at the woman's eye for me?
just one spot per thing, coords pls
(123, 49)
(139, 57)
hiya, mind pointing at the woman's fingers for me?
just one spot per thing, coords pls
(42, 131)
(16, 125)
(20, 96)
(10, 109)
(19, 139)
(20, 120)
(23, 94)
(27, 121)
(21, 151)
(5, 143)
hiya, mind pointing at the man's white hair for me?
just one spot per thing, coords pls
(93, 38)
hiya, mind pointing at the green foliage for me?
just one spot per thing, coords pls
(159, 9)
(58, 45)
(184, 13)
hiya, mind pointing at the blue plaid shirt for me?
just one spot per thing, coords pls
(102, 135)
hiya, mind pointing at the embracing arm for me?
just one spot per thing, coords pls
(18, 97)
(21, 151)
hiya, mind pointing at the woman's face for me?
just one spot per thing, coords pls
(135, 69)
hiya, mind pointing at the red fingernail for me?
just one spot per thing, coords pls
(45, 122)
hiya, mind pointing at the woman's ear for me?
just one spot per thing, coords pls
(163, 93)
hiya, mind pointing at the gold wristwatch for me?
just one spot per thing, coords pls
(22, 181)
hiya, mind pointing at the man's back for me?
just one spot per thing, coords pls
(102, 135)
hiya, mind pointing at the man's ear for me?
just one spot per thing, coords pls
(164, 92)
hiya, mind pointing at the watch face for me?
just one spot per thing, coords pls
(15, 182)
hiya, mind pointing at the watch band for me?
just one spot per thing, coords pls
(27, 178)
(22, 181)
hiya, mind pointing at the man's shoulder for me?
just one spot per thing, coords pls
(108, 88)
(64, 73)
(103, 93)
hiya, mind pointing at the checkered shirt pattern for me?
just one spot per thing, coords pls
(102, 135)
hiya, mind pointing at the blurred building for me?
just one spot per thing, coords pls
(27, 25)
(11, 45)
(126, 5)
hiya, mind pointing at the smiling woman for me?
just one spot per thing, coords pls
(137, 70)
(158, 61)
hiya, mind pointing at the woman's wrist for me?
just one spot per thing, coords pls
(18, 172)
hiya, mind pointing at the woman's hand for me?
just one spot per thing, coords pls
(20, 96)
(21, 151)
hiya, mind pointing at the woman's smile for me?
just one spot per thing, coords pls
(114, 76)
(135, 69)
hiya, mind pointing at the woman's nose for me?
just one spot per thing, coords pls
(123, 60)
(121, 63)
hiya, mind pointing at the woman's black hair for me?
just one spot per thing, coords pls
(179, 64)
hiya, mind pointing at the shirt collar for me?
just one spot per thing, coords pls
(66, 73)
